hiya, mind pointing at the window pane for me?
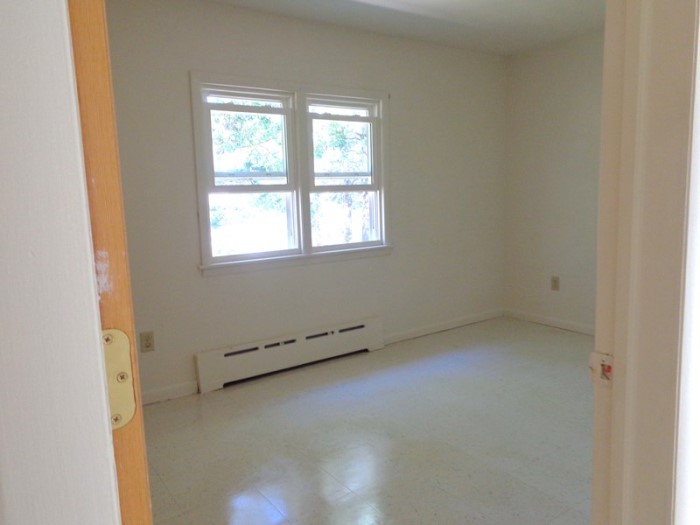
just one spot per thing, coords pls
(251, 223)
(343, 218)
(248, 148)
(342, 152)
(220, 99)
(338, 110)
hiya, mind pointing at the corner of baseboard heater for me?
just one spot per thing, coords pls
(217, 367)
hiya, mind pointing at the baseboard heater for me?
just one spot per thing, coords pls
(217, 367)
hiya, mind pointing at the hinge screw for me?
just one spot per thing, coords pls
(107, 338)
(122, 377)
(116, 419)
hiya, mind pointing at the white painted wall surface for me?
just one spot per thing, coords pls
(445, 183)
(56, 461)
(553, 141)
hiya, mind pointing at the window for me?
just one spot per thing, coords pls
(287, 174)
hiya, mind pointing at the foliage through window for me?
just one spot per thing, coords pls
(287, 174)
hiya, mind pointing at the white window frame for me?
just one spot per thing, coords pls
(300, 169)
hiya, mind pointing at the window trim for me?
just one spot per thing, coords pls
(300, 168)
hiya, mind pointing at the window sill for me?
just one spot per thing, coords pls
(294, 260)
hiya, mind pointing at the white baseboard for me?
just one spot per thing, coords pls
(169, 392)
(442, 326)
(572, 326)
(190, 387)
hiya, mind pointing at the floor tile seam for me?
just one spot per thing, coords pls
(564, 513)
(162, 482)
(548, 494)
(362, 493)
(310, 513)
(373, 506)
(174, 505)
(452, 497)
(511, 475)
(189, 488)
(283, 480)
(172, 496)
(340, 482)
(202, 508)
(180, 515)
(185, 454)
(569, 504)
(282, 513)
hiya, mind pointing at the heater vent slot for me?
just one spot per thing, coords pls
(351, 328)
(238, 352)
(316, 336)
(234, 363)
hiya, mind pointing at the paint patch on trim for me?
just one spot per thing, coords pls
(104, 279)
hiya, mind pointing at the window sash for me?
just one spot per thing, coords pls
(254, 188)
(291, 233)
(346, 118)
(371, 105)
(345, 188)
(234, 108)
(375, 224)
(214, 89)
(211, 175)
(347, 246)
(374, 120)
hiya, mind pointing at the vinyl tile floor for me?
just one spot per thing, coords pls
(488, 424)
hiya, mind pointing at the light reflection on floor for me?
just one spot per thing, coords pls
(487, 424)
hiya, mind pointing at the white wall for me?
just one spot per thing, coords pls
(56, 461)
(553, 141)
(446, 183)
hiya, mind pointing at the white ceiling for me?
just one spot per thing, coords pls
(496, 26)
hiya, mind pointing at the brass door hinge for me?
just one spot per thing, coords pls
(122, 399)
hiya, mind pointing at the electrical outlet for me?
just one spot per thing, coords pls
(148, 341)
(554, 283)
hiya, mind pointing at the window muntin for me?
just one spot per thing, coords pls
(284, 174)
(328, 109)
(237, 101)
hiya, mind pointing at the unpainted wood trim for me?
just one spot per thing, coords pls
(94, 82)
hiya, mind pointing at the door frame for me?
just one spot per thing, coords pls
(648, 103)
(103, 179)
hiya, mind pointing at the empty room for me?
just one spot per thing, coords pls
(69, 457)
(400, 195)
